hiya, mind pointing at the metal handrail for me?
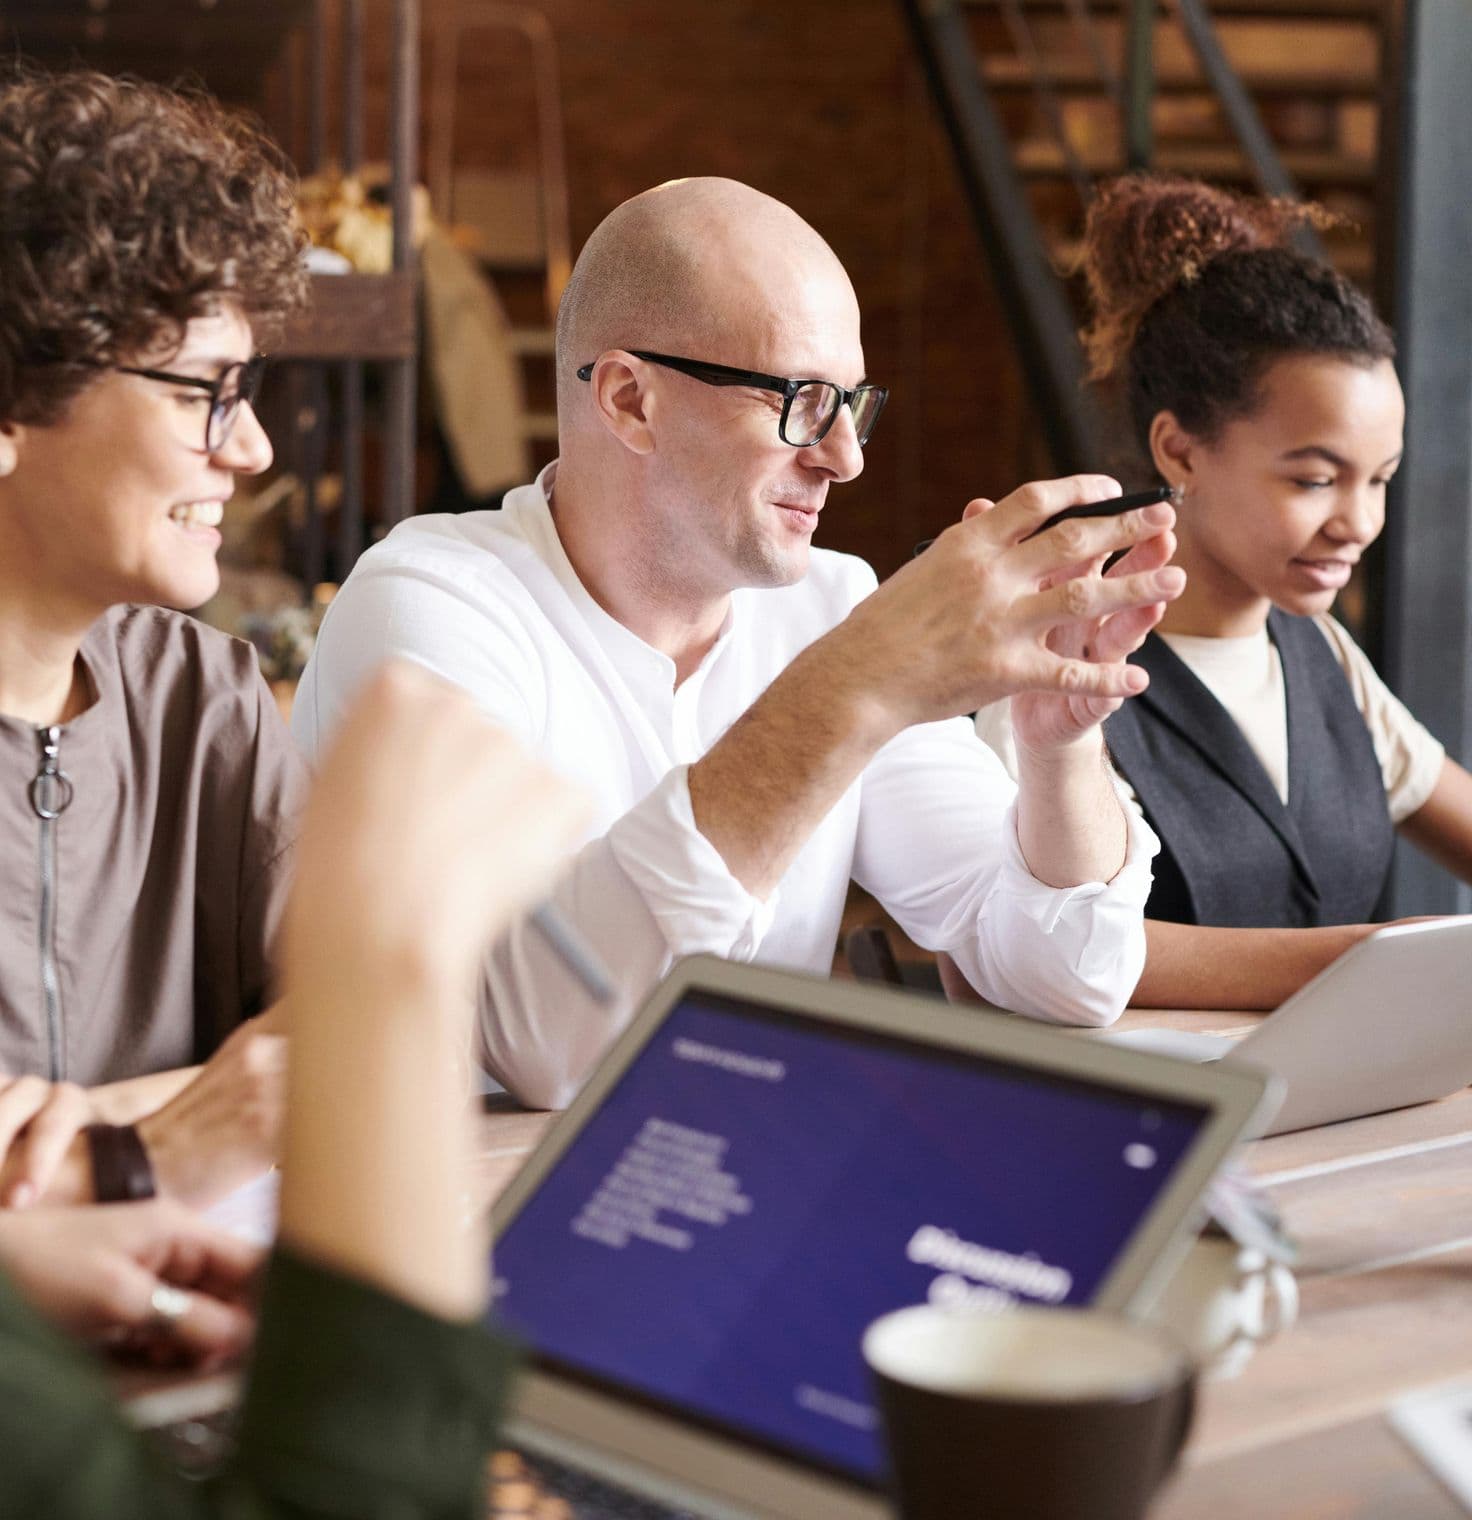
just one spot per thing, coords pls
(1083, 21)
(1045, 87)
(1033, 298)
(1139, 85)
(1242, 115)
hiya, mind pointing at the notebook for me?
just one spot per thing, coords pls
(765, 1163)
(1386, 1025)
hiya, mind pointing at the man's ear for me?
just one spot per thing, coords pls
(1173, 450)
(623, 400)
(10, 438)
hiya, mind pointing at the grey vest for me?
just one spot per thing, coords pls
(1231, 852)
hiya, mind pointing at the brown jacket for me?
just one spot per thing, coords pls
(136, 924)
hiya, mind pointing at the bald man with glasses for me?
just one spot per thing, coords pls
(759, 724)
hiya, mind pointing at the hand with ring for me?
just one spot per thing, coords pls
(169, 1306)
(153, 1277)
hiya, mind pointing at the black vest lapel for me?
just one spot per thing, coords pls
(1176, 698)
(1231, 852)
(1336, 791)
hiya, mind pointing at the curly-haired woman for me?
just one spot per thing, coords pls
(148, 791)
(1269, 757)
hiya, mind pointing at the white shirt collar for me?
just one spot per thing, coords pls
(637, 661)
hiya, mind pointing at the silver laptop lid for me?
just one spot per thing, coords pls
(765, 1163)
(1383, 1026)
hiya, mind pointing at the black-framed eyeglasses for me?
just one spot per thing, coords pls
(809, 406)
(237, 382)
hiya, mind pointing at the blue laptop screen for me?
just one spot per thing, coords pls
(755, 1189)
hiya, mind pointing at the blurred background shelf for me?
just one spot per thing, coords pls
(341, 406)
(354, 316)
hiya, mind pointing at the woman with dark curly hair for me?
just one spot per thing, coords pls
(148, 790)
(1267, 754)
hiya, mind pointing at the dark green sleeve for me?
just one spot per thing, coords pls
(357, 1405)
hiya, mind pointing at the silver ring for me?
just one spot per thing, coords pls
(169, 1305)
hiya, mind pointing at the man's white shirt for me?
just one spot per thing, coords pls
(489, 601)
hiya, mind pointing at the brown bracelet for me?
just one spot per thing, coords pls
(121, 1170)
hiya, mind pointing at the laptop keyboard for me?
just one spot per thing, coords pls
(519, 1485)
(591, 1498)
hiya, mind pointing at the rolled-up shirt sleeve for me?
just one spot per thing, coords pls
(684, 880)
(938, 846)
(650, 890)
(645, 890)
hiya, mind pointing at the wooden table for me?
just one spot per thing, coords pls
(1382, 1210)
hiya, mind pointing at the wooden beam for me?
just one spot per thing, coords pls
(1426, 635)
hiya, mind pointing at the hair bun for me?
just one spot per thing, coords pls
(1147, 234)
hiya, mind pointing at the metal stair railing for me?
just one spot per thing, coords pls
(1032, 296)
(1242, 114)
(1045, 87)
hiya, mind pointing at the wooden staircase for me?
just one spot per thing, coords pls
(505, 186)
(1056, 70)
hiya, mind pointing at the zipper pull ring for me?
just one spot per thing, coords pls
(51, 788)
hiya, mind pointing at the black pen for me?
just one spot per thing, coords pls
(1113, 507)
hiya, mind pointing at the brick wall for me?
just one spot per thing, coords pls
(822, 106)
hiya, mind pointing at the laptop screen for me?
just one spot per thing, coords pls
(755, 1189)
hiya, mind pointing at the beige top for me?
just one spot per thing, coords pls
(1246, 676)
(137, 922)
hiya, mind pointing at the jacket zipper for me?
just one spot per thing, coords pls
(51, 794)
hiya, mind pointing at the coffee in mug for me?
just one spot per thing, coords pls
(1047, 1414)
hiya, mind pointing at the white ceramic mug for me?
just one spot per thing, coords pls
(1225, 1300)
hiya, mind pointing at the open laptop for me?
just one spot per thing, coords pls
(1386, 1025)
(765, 1163)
